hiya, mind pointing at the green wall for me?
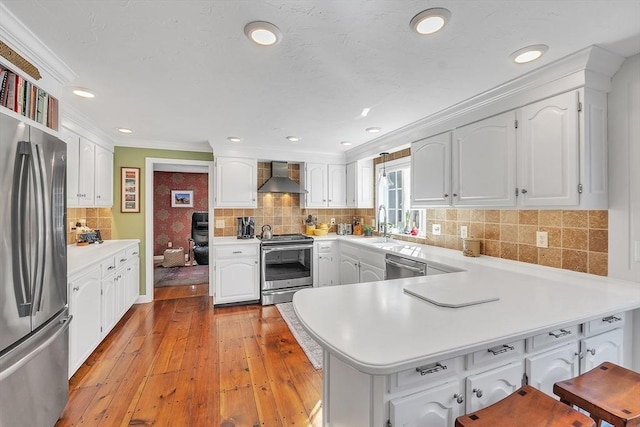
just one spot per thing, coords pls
(131, 225)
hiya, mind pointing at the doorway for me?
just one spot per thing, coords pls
(168, 226)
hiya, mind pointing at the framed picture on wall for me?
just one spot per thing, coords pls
(181, 198)
(130, 190)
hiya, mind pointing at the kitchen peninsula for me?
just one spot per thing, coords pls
(393, 357)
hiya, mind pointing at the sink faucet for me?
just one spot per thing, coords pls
(383, 209)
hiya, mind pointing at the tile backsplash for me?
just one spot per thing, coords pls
(96, 218)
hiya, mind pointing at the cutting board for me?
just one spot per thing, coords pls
(450, 294)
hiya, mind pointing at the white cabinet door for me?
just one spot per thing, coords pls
(435, 407)
(132, 281)
(484, 162)
(109, 304)
(488, 387)
(236, 183)
(360, 184)
(236, 280)
(370, 273)
(73, 161)
(86, 167)
(84, 306)
(431, 171)
(545, 369)
(337, 185)
(120, 292)
(328, 273)
(316, 184)
(103, 177)
(349, 270)
(549, 138)
(352, 182)
(606, 347)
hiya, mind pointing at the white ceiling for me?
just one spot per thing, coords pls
(183, 71)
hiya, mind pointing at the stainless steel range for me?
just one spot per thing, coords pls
(286, 263)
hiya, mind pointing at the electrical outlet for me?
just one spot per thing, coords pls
(333, 221)
(463, 231)
(435, 229)
(542, 239)
(219, 223)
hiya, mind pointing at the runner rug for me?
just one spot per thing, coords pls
(311, 348)
(176, 276)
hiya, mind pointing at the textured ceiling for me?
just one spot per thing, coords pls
(183, 71)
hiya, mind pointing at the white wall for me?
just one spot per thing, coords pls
(624, 188)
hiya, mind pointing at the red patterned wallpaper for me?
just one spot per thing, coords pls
(174, 224)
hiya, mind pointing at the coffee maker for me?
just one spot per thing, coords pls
(246, 227)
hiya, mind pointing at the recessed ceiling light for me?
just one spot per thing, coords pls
(234, 138)
(125, 130)
(528, 54)
(263, 33)
(346, 143)
(83, 92)
(373, 130)
(430, 21)
(293, 138)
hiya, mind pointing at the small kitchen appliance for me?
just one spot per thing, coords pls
(266, 232)
(246, 227)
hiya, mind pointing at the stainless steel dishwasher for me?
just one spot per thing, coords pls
(397, 267)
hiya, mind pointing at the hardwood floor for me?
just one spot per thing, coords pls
(180, 362)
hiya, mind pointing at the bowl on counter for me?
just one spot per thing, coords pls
(323, 226)
(321, 231)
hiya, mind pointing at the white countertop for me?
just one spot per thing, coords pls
(234, 241)
(79, 257)
(379, 329)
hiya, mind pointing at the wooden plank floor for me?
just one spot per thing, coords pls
(180, 362)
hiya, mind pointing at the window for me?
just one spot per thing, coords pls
(393, 200)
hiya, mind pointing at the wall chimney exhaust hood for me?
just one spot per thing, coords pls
(280, 181)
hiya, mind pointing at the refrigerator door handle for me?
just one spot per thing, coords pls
(63, 325)
(20, 243)
(42, 211)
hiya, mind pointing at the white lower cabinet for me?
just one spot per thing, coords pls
(349, 269)
(488, 387)
(436, 407)
(545, 369)
(84, 305)
(236, 273)
(327, 264)
(359, 265)
(370, 273)
(606, 347)
(99, 295)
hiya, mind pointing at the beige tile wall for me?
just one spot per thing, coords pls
(96, 218)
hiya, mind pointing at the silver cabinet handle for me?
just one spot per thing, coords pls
(237, 252)
(425, 370)
(611, 319)
(500, 349)
(524, 191)
(459, 398)
(455, 194)
(111, 267)
(592, 351)
(478, 392)
(446, 195)
(123, 259)
(76, 288)
(134, 253)
(560, 334)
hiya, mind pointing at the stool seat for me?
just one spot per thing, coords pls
(526, 407)
(608, 392)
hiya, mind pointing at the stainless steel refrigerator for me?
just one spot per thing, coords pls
(34, 319)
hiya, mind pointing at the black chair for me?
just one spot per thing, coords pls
(200, 237)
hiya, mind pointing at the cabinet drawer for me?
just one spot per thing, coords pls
(557, 336)
(496, 353)
(108, 266)
(325, 247)
(604, 323)
(133, 252)
(236, 251)
(426, 374)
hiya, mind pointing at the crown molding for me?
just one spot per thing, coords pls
(17, 36)
(78, 123)
(278, 154)
(130, 142)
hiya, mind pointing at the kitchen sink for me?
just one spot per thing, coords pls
(384, 244)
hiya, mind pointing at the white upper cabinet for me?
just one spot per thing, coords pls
(89, 172)
(104, 177)
(431, 171)
(484, 162)
(326, 186)
(236, 183)
(549, 139)
(360, 184)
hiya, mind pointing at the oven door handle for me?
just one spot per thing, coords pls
(285, 248)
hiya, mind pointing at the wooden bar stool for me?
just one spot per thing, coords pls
(608, 392)
(526, 407)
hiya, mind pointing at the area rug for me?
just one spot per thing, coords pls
(176, 276)
(311, 348)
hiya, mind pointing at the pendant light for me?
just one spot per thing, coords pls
(384, 179)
